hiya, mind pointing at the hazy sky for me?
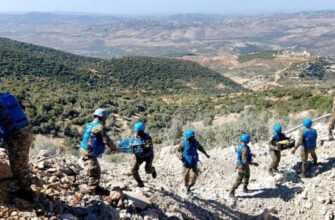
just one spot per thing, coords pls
(166, 6)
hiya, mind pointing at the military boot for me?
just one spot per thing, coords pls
(232, 193)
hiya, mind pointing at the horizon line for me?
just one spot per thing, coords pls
(259, 13)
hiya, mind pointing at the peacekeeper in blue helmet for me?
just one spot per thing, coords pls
(188, 154)
(93, 145)
(243, 161)
(17, 136)
(308, 140)
(278, 143)
(144, 153)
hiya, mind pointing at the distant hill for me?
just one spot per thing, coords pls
(132, 72)
(60, 90)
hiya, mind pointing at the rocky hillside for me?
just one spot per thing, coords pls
(61, 90)
(285, 196)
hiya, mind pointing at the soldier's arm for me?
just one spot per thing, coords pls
(110, 143)
(100, 130)
(180, 151)
(202, 150)
(244, 156)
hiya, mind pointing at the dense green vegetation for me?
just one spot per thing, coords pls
(60, 91)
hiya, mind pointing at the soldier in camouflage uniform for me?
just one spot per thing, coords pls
(143, 154)
(278, 143)
(18, 143)
(332, 123)
(92, 146)
(308, 140)
(188, 154)
(244, 160)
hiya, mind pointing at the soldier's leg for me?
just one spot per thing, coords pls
(274, 162)
(149, 168)
(18, 154)
(194, 175)
(187, 176)
(238, 181)
(93, 171)
(135, 170)
(315, 158)
(304, 158)
(278, 159)
(246, 178)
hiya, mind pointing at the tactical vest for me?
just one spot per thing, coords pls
(239, 151)
(12, 116)
(190, 153)
(92, 143)
(309, 138)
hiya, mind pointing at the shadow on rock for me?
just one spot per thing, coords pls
(197, 208)
(283, 192)
(315, 170)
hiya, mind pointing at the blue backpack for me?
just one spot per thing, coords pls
(239, 155)
(190, 153)
(131, 145)
(310, 138)
(12, 116)
(91, 143)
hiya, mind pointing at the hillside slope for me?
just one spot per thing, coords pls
(61, 90)
(285, 196)
(133, 72)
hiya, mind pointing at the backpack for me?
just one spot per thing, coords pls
(135, 145)
(91, 143)
(310, 138)
(239, 154)
(190, 153)
(12, 116)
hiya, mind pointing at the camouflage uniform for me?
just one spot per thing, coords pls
(331, 126)
(91, 163)
(275, 151)
(147, 157)
(243, 171)
(304, 153)
(18, 144)
(191, 173)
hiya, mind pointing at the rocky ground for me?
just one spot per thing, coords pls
(58, 180)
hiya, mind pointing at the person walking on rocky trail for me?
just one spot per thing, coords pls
(92, 146)
(278, 143)
(142, 147)
(188, 154)
(308, 140)
(243, 162)
(331, 126)
(16, 132)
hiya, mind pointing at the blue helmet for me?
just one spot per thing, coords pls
(101, 112)
(245, 138)
(139, 126)
(277, 128)
(188, 134)
(308, 123)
